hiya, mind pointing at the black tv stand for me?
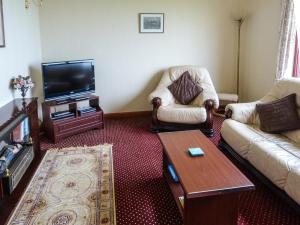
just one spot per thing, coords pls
(73, 99)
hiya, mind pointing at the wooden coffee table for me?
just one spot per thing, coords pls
(210, 184)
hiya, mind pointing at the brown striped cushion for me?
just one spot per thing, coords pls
(279, 116)
(185, 89)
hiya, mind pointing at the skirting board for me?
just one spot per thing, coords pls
(126, 114)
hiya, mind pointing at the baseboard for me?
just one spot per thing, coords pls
(126, 114)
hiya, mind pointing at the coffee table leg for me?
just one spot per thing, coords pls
(215, 210)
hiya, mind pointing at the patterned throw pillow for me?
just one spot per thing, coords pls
(185, 89)
(279, 116)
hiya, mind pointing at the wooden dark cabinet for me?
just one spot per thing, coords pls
(58, 129)
(8, 115)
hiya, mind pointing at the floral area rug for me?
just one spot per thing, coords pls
(73, 186)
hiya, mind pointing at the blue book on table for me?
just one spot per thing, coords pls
(173, 173)
(196, 152)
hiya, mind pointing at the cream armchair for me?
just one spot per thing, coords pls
(168, 114)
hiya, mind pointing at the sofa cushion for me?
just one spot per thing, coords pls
(272, 154)
(284, 87)
(176, 113)
(240, 136)
(185, 89)
(273, 160)
(279, 116)
(294, 135)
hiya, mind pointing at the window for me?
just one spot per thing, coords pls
(296, 69)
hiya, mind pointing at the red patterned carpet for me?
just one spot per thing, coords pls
(143, 198)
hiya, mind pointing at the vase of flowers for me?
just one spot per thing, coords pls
(23, 84)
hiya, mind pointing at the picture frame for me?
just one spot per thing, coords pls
(152, 22)
(2, 37)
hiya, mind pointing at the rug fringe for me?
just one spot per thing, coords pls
(78, 147)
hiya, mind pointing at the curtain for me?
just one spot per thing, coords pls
(287, 40)
(296, 71)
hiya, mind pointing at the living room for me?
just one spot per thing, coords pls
(119, 149)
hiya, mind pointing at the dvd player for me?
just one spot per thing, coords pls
(63, 117)
(61, 113)
(86, 110)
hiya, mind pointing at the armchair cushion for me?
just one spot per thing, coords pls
(185, 89)
(187, 114)
(279, 116)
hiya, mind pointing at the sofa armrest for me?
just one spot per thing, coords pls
(243, 112)
(163, 94)
(156, 102)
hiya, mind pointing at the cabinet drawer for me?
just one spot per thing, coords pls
(78, 122)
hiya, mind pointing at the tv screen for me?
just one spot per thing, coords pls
(68, 79)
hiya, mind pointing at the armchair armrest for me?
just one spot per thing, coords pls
(209, 106)
(163, 94)
(243, 112)
(211, 98)
(209, 94)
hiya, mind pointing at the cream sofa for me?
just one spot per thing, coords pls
(276, 156)
(168, 114)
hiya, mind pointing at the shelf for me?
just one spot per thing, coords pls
(176, 190)
(70, 101)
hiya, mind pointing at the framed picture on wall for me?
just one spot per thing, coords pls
(2, 39)
(152, 22)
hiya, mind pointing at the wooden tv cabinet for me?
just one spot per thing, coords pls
(56, 130)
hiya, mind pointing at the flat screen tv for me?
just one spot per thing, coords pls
(68, 79)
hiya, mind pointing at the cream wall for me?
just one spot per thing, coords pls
(129, 64)
(22, 54)
(260, 42)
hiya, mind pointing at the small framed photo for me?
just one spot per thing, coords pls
(152, 22)
(2, 39)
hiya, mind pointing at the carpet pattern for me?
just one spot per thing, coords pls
(72, 186)
(143, 197)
